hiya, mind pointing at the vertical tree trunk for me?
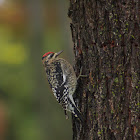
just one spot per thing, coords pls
(106, 37)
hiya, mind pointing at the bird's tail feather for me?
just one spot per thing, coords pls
(76, 111)
(78, 114)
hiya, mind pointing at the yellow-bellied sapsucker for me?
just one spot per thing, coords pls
(62, 80)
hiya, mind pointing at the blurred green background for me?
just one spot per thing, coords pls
(28, 29)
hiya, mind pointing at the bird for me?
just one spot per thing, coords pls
(63, 81)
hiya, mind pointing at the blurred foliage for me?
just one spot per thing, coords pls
(11, 48)
(22, 115)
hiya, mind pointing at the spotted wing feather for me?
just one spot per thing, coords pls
(57, 80)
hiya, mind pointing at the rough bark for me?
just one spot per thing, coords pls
(106, 38)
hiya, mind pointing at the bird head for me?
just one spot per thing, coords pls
(50, 56)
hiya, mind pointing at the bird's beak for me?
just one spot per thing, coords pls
(57, 54)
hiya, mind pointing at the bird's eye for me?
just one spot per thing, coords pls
(51, 55)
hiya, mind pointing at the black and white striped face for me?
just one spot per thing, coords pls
(49, 57)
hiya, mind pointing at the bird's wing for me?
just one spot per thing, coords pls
(57, 80)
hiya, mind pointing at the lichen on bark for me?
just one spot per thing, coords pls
(106, 42)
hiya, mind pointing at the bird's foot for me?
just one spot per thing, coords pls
(80, 75)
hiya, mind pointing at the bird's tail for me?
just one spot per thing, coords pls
(78, 114)
(76, 111)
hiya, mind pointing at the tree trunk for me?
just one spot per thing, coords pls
(106, 37)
